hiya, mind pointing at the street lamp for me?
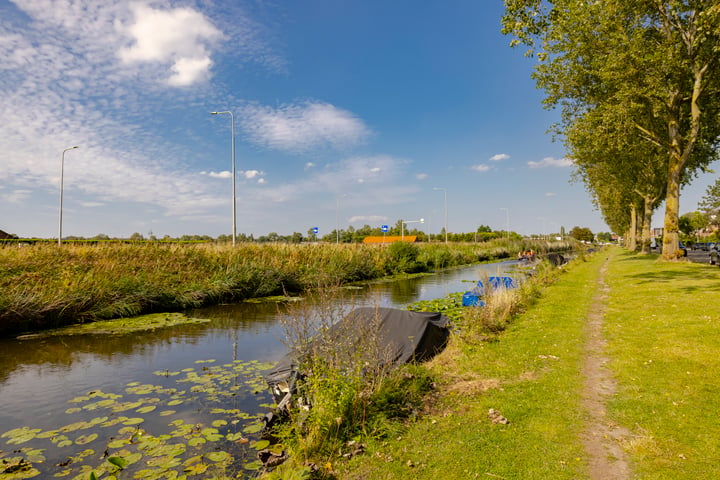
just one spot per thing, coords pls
(232, 148)
(62, 174)
(446, 229)
(507, 223)
(402, 226)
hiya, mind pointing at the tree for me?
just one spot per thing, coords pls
(654, 63)
(583, 234)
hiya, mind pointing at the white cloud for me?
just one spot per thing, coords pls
(498, 157)
(15, 196)
(92, 204)
(367, 219)
(250, 174)
(481, 167)
(302, 127)
(550, 194)
(309, 165)
(551, 162)
(261, 181)
(180, 37)
(421, 176)
(223, 174)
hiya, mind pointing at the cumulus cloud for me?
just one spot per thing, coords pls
(301, 127)
(309, 165)
(250, 174)
(180, 37)
(421, 176)
(223, 174)
(551, 162)
(481, 167)
(499, 157)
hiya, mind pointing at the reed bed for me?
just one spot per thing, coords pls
(43, 286)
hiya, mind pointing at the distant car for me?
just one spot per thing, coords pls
(682, 247)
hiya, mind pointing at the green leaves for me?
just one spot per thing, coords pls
(129, 443)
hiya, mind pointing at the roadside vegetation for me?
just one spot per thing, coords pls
(505, 399)
(43, 286)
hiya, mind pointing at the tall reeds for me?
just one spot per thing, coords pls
(42, 286)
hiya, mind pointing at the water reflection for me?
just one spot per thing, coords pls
(38, 377)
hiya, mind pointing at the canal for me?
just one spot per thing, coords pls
(70, 402)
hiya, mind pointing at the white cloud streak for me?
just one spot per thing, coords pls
(298, 128)
(551, 162)
(499, 157)
(480, 167)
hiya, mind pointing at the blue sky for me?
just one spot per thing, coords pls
(345, 111)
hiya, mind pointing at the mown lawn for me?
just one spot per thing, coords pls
(662, 324)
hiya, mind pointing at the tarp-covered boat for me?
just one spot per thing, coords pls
(397, 337)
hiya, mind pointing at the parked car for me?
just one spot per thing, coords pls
(682, 247)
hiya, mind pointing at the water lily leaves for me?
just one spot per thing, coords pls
(20, 435)
(17, 468)
(254, 427)
(196, 441)
(119, 462)
(196, 469)
(260, 444)
(253, 466)
(162, 454)
(233, 437)
(85, 439)
(218, 457)
(61, 441)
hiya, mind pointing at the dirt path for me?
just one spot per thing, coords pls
(601, 438)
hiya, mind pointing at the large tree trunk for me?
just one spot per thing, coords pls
(632, 231)
(671, 237)
(646, 224)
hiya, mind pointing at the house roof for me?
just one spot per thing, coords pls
(390, 239)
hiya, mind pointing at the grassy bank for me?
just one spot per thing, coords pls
(42, 286)
(662, 331)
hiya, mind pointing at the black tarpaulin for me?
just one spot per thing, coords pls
(397, 337)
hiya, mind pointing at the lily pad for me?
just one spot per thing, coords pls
(120, 326)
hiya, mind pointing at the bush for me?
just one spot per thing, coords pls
(402, 258)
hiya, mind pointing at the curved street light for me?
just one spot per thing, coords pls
(404, 222)
(62, 174)
(232, 153)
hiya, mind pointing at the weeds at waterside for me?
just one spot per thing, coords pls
(352, 407)
(43, 286)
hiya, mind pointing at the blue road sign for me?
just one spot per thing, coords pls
(384, 228)
(315, 230)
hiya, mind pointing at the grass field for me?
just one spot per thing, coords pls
(661, 323)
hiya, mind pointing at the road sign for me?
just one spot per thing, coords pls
(315, 230)
(384, 228)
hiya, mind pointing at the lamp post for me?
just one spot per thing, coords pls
(507, 223)
(232, 148)
(446, 228)
(404, 222)
(62, 174)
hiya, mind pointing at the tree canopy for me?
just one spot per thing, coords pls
(637, 83)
